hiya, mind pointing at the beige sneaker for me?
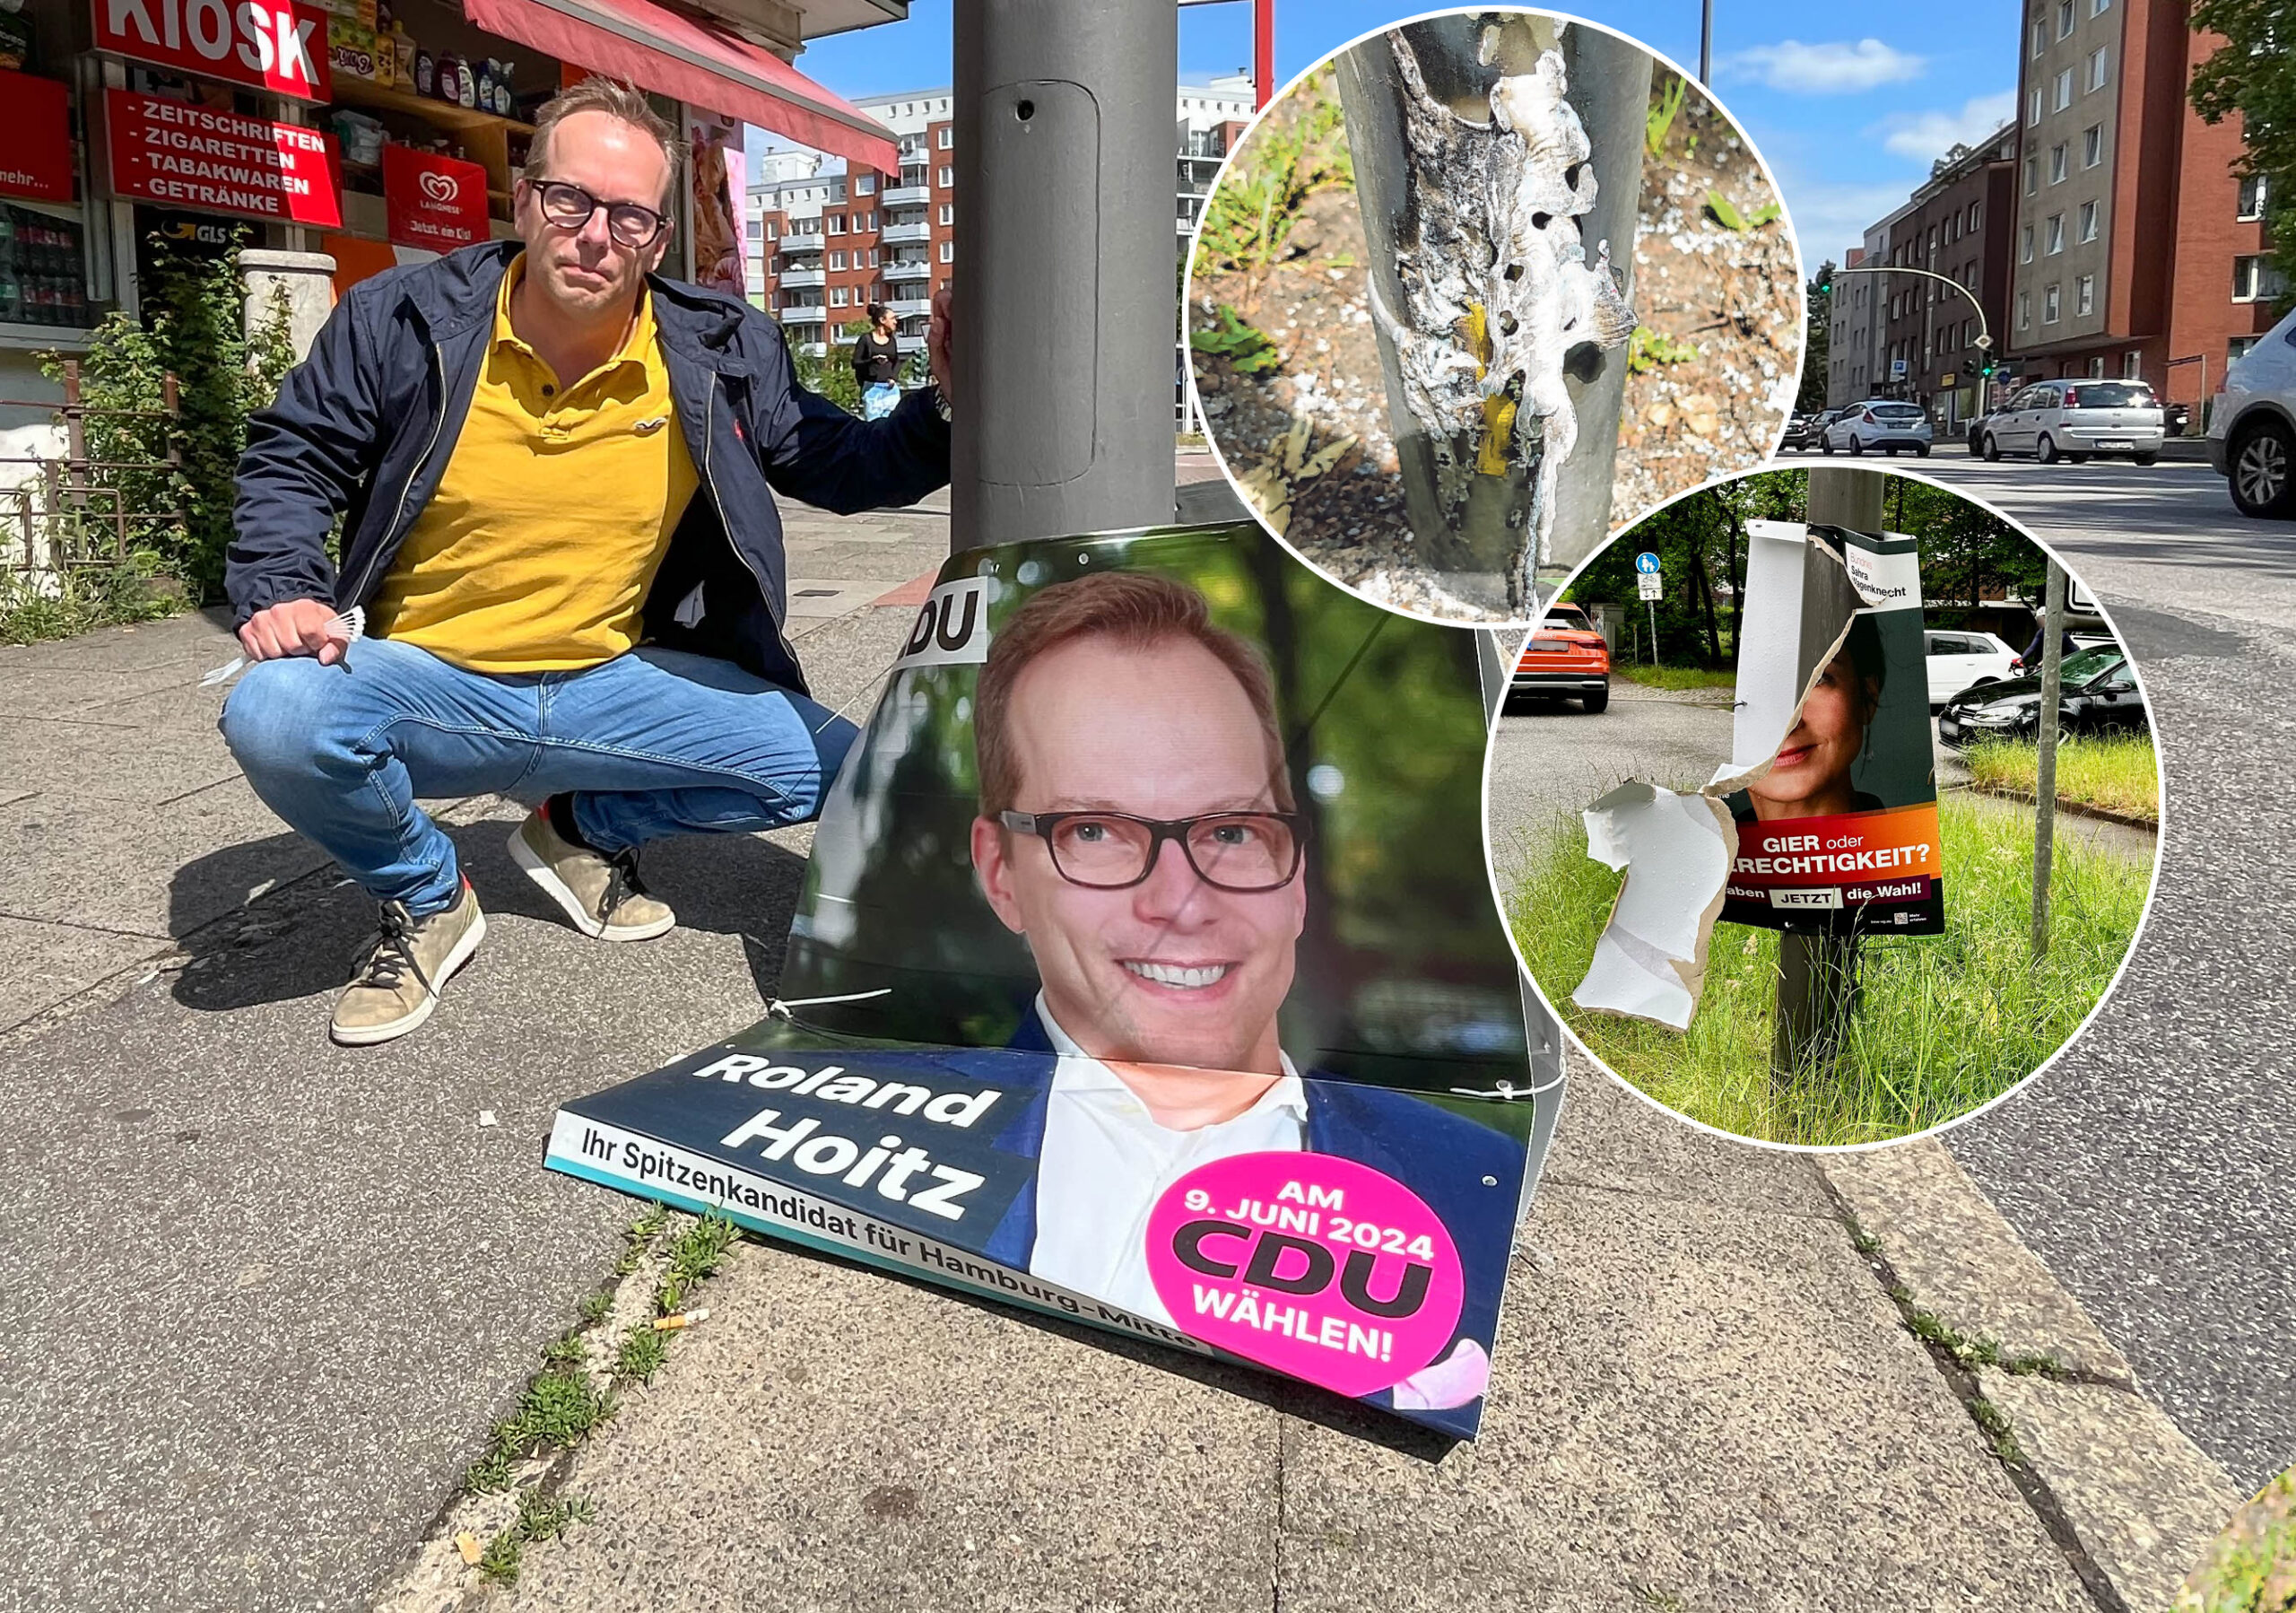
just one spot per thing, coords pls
(399, 977)
(601, 894)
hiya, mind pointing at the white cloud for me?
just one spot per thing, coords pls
(1830, 218)
(1835, 68)
(1925, 136)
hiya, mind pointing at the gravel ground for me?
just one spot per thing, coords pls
(1725, 304)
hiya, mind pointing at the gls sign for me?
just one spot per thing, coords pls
(275, 44)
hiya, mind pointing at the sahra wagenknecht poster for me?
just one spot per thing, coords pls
(1146, 973)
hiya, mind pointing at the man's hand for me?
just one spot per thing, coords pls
(937, 344)
(294, 627)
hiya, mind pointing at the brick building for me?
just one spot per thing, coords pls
(1956, 225)
(2137, 251)
(826, 240)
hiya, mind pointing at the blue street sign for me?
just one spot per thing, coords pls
(1647, 564)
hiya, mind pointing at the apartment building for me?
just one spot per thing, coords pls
(1957, 226)
(826, 240)
(2138, 253)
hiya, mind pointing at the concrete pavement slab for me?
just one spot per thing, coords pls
(155, 871)
(41, 964)
(1961, 1261)
(28, 691)
(2145, 1500)
(263, 1297)
(91, 762)
(172, 641)
(833, 1439)
(1689, 1411)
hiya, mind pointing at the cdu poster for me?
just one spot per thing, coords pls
(1146, 973)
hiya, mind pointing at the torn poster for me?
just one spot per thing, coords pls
(1146, 973)
(1828, 804)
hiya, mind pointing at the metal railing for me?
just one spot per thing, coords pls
(58, 514)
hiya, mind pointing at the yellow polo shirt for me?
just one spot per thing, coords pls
(554, 514)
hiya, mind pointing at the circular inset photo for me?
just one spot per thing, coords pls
(1766, 813)
(2251, 1566)
(1475, 290)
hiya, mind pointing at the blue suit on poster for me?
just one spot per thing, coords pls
(1469, 1175)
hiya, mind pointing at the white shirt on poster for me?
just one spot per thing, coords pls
(1106, 1161)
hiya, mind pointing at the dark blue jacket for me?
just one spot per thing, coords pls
(364, 426)
(1471, 1176)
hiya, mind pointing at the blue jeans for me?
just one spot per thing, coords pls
(879, 399)
(652, 743)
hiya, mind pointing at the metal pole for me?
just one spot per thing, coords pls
(1654, 631)
(1471, 494)
(1064, 157)
(1262, 52)
(1706, 43)
(1817, 973)
(2044, 769)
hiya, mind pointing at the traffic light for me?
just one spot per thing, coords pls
(1825, 279)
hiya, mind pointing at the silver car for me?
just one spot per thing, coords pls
(2252, 426)
(1878, 422)
(2076, 420)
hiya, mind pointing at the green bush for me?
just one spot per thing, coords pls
(194, 326)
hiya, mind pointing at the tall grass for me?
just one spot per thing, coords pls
(1676, 678)
(1943, 1023)
(2119, 772)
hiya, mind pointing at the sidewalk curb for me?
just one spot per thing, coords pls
(2150, 825)
(2130, 1498)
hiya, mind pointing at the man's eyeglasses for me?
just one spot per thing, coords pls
(570, 207)
(1242, 852)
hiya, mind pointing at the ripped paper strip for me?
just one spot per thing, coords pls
(349, 625)
(1677, 850)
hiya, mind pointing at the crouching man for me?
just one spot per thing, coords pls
(553, 467)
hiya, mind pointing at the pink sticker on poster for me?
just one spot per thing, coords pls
(1314, 1265)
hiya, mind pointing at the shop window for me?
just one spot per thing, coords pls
(2252, 198)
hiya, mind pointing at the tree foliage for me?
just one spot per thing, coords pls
(1968, 556)
(2253, 76)
(1817, 341)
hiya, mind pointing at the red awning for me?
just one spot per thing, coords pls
(701, 62)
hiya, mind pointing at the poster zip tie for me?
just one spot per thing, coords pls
(353, 623)
(780, 1009)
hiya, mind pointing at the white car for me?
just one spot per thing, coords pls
(1960, 660)
(2252, 426)
(1878, 422)
(2075, 420)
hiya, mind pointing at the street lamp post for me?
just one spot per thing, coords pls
(1984, 327)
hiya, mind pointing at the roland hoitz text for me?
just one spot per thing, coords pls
(898, 1172)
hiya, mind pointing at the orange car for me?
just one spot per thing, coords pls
(1565, 656)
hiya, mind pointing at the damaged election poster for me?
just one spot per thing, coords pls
(1836, 815)
(1147, 974)
(1766, 784)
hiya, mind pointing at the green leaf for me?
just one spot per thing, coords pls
(1726, 212)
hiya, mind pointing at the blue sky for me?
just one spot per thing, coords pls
(1849, 104)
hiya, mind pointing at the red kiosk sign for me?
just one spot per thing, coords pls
(434, 202)
(35, 137)
(180, 155)
(275, 44)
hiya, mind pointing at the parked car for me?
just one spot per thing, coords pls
(1963, 660)
(2081, 640)
(1802, 432)
(2252, 429)
(1878, 422)
(1565, 656)
(2096, 693)
(2076, 420)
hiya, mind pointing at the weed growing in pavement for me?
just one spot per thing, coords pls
(2116, 772)
(540, 1518)
(1996, 1428)
(499, 1564)
(641, 1354)
(1865, 1242)
(1647, 348)
(1666, 105)
(1285, 162)
(560, 1408)
(565, 1350)
(1943, 1023)
(638, 1234)
(1972, 1353)
(694, 1255)
(595, 1307)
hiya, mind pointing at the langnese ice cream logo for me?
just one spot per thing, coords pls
(441, 188)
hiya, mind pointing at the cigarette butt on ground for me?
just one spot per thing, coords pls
(467, 1544)
(684, 1318)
